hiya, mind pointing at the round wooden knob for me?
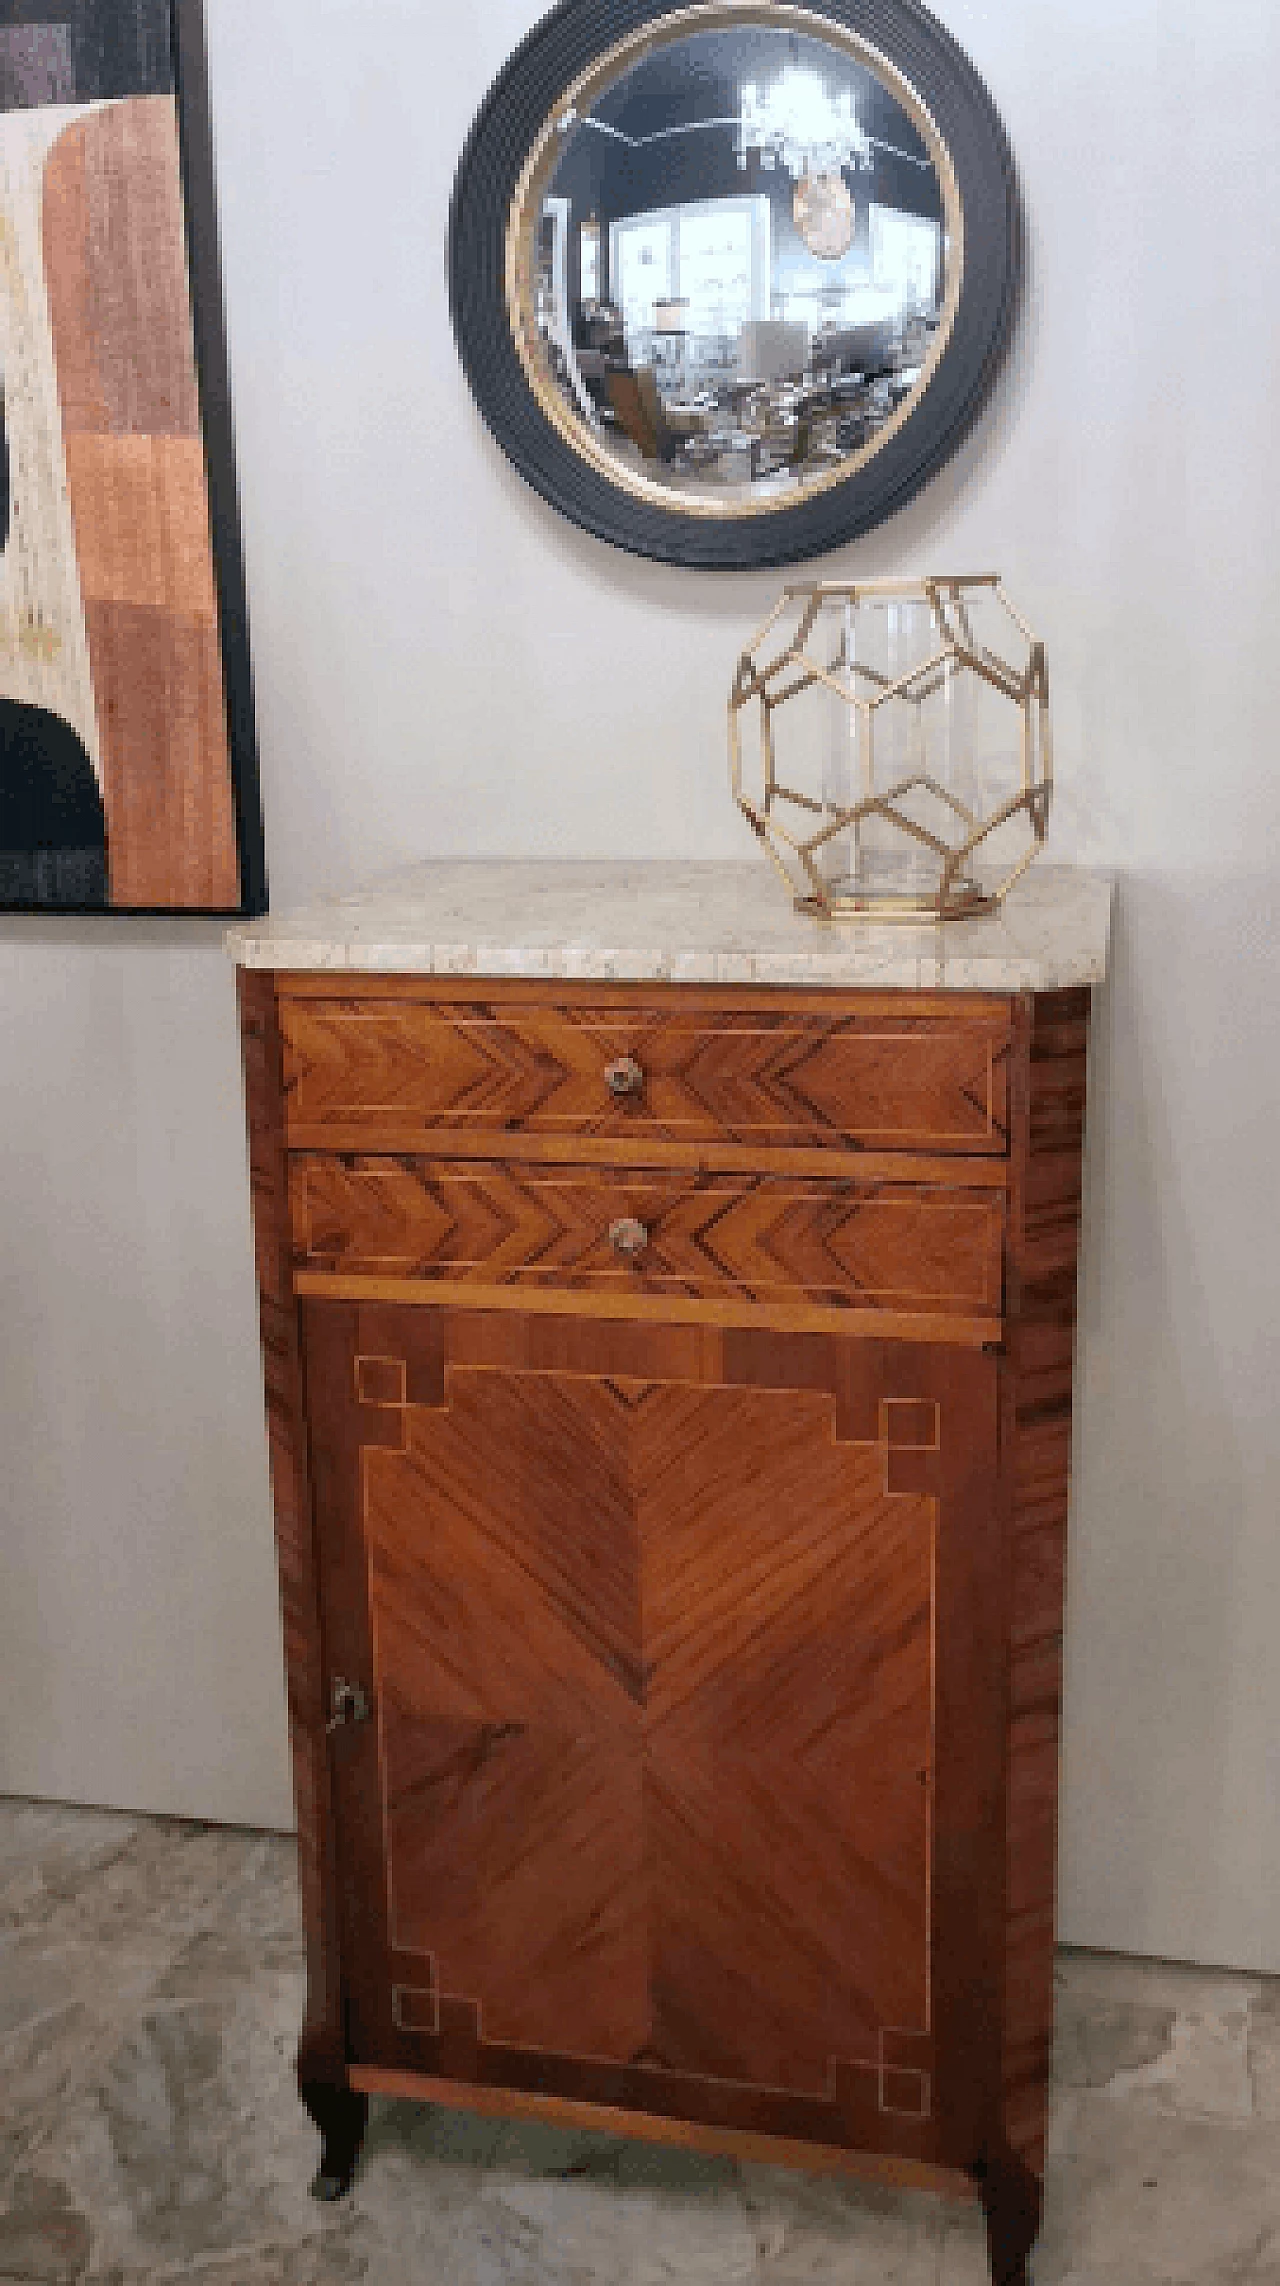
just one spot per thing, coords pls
(626, 1077)
(628, 1237)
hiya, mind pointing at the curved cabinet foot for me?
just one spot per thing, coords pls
(341, 2117)
(1013, 2203)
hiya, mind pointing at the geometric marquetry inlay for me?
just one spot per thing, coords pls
(905, 2093)
(911, 1424)
(593, 1604)
(415, 2008)
(382, 1381)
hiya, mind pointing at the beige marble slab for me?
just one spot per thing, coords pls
(680, 923)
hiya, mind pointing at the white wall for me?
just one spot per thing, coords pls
(444, 667)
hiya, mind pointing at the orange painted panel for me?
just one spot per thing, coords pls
(115, 252)
(142, 522)
(158, 682)
(119, 301)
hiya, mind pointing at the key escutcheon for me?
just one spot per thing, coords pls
(348, 1705)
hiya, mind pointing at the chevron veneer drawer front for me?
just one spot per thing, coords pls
(772, 1240)
(886, 1073)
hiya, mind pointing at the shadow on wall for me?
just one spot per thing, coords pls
(1173, 1386)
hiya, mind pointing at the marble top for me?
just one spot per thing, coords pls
(702, 922)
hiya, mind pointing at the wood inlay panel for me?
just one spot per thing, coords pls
(659, 1698)
(505, 1589)
(765, 1239)
(653, 1648)
(389, 1070)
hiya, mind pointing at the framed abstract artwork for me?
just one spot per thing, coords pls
(128, 756)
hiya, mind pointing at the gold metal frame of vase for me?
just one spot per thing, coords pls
(535, 181)
(797, 854)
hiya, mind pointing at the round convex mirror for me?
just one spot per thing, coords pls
(745, 304)
(734, 265)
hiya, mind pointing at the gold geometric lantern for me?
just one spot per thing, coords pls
(890, 746)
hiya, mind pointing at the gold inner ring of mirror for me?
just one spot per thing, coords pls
(535, 182)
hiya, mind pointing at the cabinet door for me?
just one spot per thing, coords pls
(682, 1786)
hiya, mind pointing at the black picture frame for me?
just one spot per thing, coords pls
(195, 137)
(112, 45)
(567, 42)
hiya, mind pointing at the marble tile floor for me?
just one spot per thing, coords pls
(150, 1992)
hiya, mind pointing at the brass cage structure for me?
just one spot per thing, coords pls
(801, 830)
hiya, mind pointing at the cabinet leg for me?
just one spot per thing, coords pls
(1013, 2203)
(341, 2117)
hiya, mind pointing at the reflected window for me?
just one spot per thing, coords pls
(906, 259)
(689, 279)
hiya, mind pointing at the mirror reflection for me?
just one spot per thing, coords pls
(741, 266)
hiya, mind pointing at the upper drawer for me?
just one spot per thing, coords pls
(901, 1074)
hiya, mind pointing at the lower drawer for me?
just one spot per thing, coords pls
(767, 1240)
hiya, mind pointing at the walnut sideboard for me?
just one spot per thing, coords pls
(669, 1364)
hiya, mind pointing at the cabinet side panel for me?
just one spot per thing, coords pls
(1048, 1144)
(323, 2039)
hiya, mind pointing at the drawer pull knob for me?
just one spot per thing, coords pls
(628, 1237)
(626, 1077)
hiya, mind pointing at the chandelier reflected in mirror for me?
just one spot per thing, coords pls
(796, 124)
